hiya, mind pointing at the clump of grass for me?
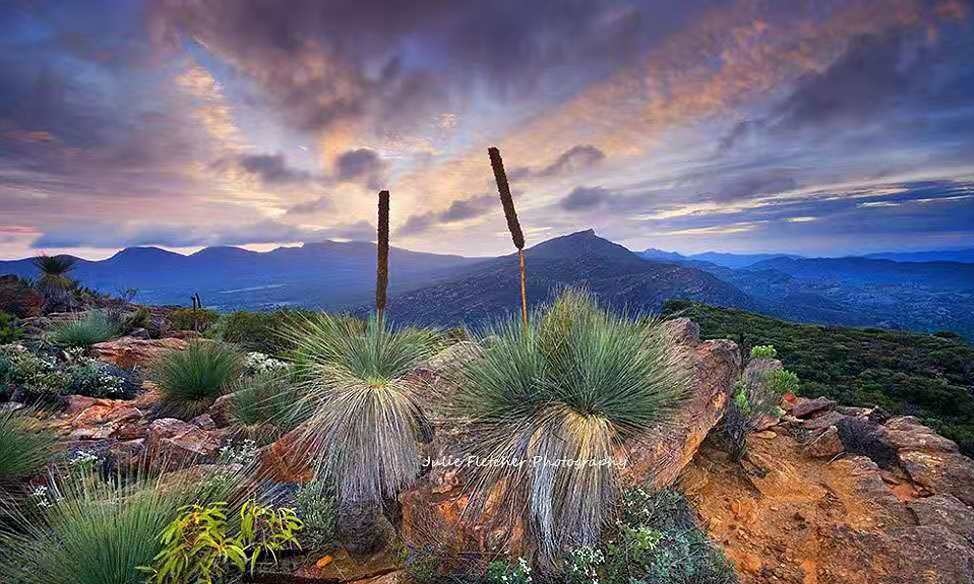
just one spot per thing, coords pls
(577, 384)
(95, 327)
(86, 531)
(266, 405)
(191, 379)
(365, 414)
(24, 447)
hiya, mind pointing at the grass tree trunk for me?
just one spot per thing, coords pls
(513, 225)
(361, 527)
(382, 256)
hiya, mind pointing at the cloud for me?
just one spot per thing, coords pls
(179, 235)
(584, 198)
(576, 159)
(310, 207)
(272, 169)
(362, 165)
(459, 210)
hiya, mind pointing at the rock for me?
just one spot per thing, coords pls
(453, 356)
(945, 510)
(804, 407)
(139, 333)
(171, 442)
(941, 472)
(758, 369)
(822, 421)
(128, 352)
(907, 433)
(825, 445)
(204, 421)
(682, 331)
(221, 410)
(128, 454)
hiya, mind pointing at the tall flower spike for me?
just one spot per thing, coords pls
(513, 225)
(382, 255)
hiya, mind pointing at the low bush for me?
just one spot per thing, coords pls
(9, 331)
(35, 377)
(199, 546)
(191, 379)
(24, 447)
(763, 352)
(753, 399)
(266, 405)
(263, 332)
(192, 319)
(316, 506)
(655, 541)
(95, 327)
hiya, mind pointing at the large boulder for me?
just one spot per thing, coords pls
(128, 352)
(170, 442)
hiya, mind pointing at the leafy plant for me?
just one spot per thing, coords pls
(502, 572)
(198, 545)
(192, 378)
(266, 405)
(192, 319)
(95, 327)
(575, 385)
(29, 376)
(752, 399)
(264, 332)
(782, 381)
(9, 332)
(763, 352)
(24, 447)
(316, 506)
(55, 283)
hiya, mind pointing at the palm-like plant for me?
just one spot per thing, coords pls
(54, 282)
(366, 414)
(566, 395)
(24, 447)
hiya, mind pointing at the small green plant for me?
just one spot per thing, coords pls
(192, 378)
(316, 506)
(141, 318)
(31, 376)
(55, 282)
(782, 381)
(25, 447)
(192, 319)
(502, 572)
(763, 352)
(753, 399)
(9, 332)
(198, 546)
(95, 327)
(266, 405)
(255, 331)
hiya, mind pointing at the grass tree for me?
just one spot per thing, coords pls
(54, 280)
(566, 395)
(95, 327)
(365, 413)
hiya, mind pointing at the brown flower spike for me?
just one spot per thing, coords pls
(504, 189)
(382, 255)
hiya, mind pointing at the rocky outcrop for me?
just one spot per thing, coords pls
(840, 495)
(130, 352)
(171, 443)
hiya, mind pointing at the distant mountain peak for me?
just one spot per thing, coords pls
(580, 244)
(143, 252)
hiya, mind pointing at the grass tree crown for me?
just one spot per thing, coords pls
(566, 395)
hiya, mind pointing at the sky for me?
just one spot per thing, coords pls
(821, 128)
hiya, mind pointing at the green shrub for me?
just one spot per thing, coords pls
(9, 332)
(33, 377)
(191, 379)
(752, 400)
(95, 327)
(140, 319)
(655, 541)
(782, 381)
(263, 332)
(192, 319)
(316, 506)
(24, 447)
(266, 405)
(87, 531)
(365, 415)
(199, 548)
(763, 352)
(503, 572)
(573, 385)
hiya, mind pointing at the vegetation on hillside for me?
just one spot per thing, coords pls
(928, 376)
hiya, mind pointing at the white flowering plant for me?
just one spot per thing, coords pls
(501, 572)
(256, 363)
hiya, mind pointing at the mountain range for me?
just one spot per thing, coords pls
(436, 289)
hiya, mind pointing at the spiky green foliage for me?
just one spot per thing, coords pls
(577, 384)
(266, 405)
(191, 379)
(365, 412)
(95, 327)
(54, 269)
(24, 447)
(87, 531)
